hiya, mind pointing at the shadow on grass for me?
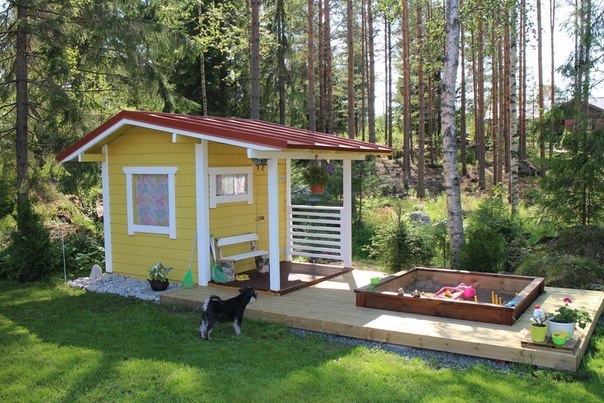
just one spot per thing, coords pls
(61, 344)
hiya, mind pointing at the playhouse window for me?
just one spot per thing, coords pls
(229, 185)
(150, 200)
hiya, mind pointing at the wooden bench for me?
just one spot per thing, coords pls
(252, 238)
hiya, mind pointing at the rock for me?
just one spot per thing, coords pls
(92, 288)
(96, 273)
(527, 168)
(420, 217)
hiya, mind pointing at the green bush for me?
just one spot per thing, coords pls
(564, 271)
(397, 244)
(361, 237)
(81, 252)
(582, 240)
(491, 233)
(29, 255)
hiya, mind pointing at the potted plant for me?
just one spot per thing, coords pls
(316, 176)
(539, 327)
(565, 319)
(158, 277)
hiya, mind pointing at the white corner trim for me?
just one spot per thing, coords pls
(215, 199)
(106, 211)
(152, 229)
(203, 213)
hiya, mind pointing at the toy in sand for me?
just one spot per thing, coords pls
(461, 291)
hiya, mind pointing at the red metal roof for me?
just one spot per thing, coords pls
(253, 132)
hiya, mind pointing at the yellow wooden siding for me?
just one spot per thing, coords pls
(134, 254)
(229, 219)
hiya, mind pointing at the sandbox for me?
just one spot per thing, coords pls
(517, 292)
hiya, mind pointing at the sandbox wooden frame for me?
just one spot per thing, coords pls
(384, 295)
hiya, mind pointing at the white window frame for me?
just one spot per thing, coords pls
(215, 199)
(152, 229)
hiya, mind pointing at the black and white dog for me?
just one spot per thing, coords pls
(214, 308)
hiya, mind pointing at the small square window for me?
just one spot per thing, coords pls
(150, 200)
(230, 185)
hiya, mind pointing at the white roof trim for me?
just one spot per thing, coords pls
(305, 155)
(124, 122)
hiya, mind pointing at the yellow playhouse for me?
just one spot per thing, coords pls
(169, 181)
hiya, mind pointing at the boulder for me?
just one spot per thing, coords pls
(420, 217)
(96, 273)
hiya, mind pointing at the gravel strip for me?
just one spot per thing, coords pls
(433, 359)
(120, 285)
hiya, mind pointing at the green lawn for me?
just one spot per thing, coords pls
(61, 344)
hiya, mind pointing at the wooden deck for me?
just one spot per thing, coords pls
(329, 307)
(294, 276)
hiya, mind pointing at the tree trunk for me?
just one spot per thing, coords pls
(552, 25)
(462, 108)
(513, 177)
(255, 61)
(21, 77)
(312, 116)
(540, 89)
(371, 87)
(321, 60)
(390, 114)
(495, 100)
(522, 86)
(452, 181)
(502, 116)
(349, 36)
(481, 143)
(406, 95)
(506, 88)
(281, 58)
(363, 68)
(421, 165)
(328, 65)
(202, 69)
(386, 78)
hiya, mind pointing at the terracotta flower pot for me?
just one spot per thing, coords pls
(317, 188)
(158, 285)
(538, 333)
(565, 327)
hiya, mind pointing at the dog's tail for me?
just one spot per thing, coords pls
(210, 299)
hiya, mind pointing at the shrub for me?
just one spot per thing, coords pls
(582, 240)
(29, 255)
(81, 252)
(564, 270)
(361, 237)
(490, 233)
(397, 244)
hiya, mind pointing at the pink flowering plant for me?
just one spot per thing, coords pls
(564, 314)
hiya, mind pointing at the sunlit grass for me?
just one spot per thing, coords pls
(61, 344)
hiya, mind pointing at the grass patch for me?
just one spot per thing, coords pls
(62, 344)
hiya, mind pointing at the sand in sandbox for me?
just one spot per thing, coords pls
(429, 288)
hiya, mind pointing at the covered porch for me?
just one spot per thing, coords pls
(316, 233)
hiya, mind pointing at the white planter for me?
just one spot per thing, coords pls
(565, 327)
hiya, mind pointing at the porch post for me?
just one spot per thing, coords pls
(273, 224)
(347, 214)
(106, 210)
(203, 213)
(288, 209)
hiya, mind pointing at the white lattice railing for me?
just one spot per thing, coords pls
(315, 231)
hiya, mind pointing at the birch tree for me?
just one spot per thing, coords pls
(513, 177)
(452, 180)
